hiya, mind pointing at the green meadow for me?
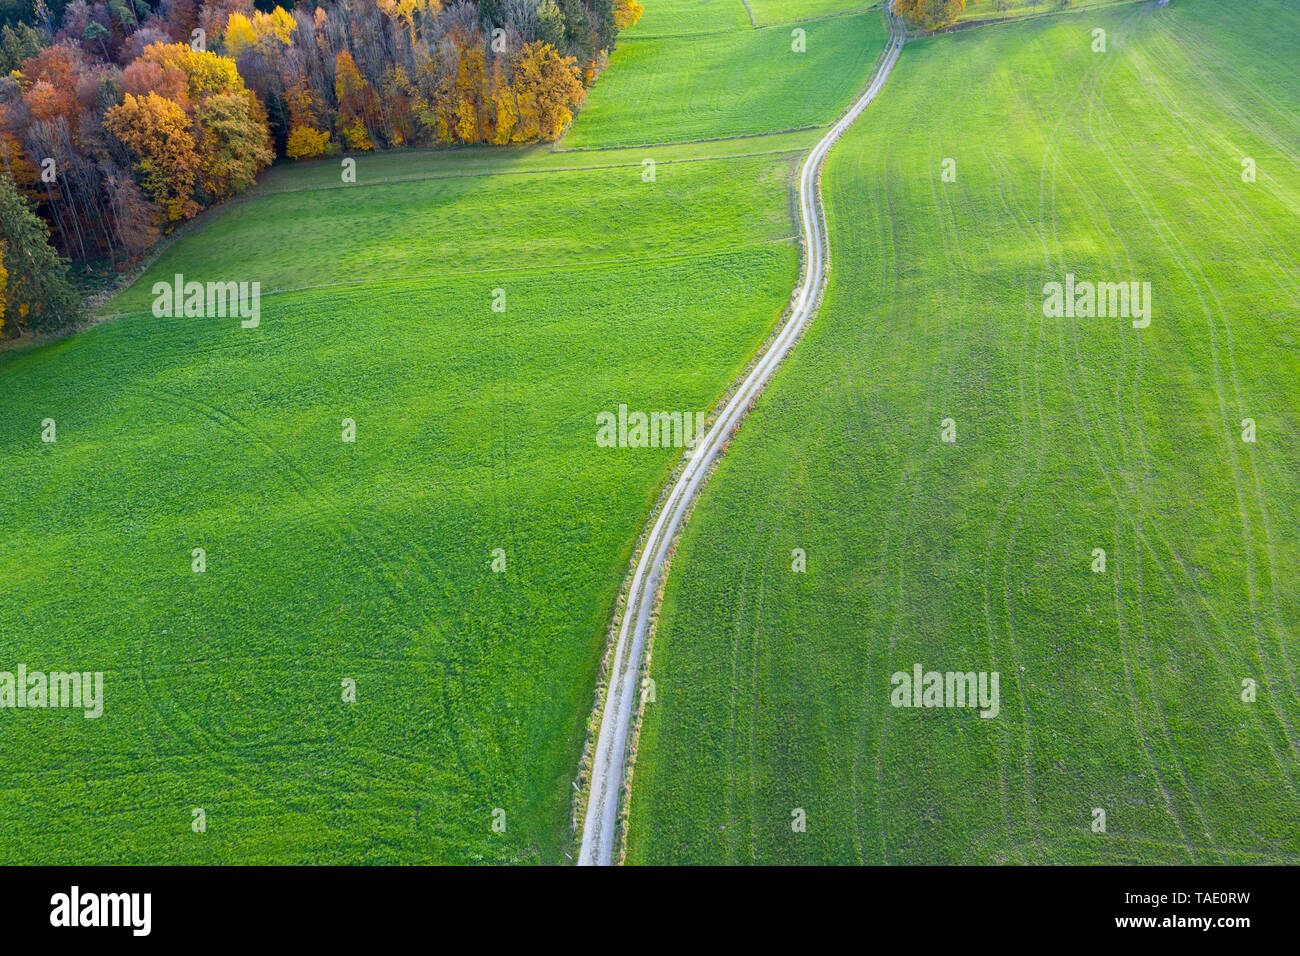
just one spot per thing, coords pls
(369, 560)
(685, 18)
(412, 545)
(666, 84)
(330, 564)
(1126, 690)
(328, 560)
(480, 225)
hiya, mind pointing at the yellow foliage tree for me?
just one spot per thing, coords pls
(234, 143)
(240, 34)
(547, 89)
(205, 72)
(305, 142)
(507, 115)
(626, 13)
(157, 131)
(471, 81)
(354, 96)
(279, 23)
(408, 11)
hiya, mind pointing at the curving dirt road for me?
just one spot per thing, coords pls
(600, 827)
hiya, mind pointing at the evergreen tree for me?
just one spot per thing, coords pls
(37, 294)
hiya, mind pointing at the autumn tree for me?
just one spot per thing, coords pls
(144, 76)
(305, 139)
(306, 143)
(59, 65)
(396, 107)
(47, 101)
(275, 26)
(240, 35)
(467, 97)
(181, 17)
(157, 132)
(503, 104)
(226, 125)
(13, 120)
(356, 102)
(449, 77)
(58, 132)
(410, 12)
(243, 32)
(214, 14)
(626, 13)
(548, 91)
(234, 143)
(205, 72)
(929, 14)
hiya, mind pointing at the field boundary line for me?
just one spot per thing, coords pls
(695, 142)
(815, 18)
(963, 25)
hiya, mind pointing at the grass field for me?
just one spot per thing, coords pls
(687, 17)
(468, 222)
(327, 560)
(668, 85)
(330, 560)
(1120, 690)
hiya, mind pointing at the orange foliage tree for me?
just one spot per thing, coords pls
(157, 132)
(225, 141)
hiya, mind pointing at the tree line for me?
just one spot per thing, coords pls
(120, 119)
